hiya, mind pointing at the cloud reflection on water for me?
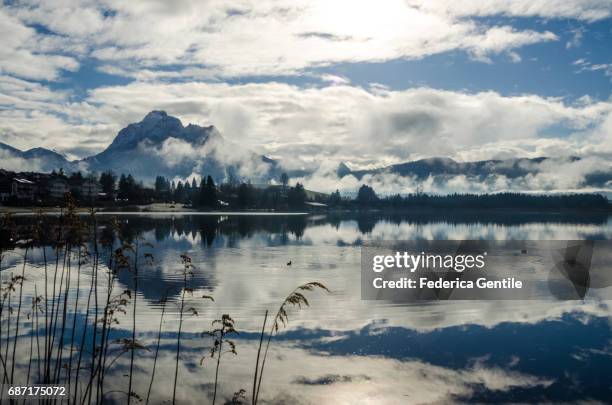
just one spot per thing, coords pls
(342, 349)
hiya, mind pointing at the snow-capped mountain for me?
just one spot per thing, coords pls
(155, 128)
(161, 145)
(157, 145)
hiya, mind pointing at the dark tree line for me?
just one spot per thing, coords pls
(205, 194)
(245, 196)
(367, 198)
(233, 194)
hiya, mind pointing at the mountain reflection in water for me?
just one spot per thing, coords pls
(341, 349)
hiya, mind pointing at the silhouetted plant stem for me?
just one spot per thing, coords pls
(45, 264)
(8, 330)
(261, 337)
(94, 334)
(4, 369)
(217, 373)
(36, 309)
(54, 309)
(186, 270)
(5, 221)
(296, 298)
(31, 351)
(104, 341)
(66, 291)
(135, 274)
(84, 334)
(25, 257)
(74, 317)
(51, 326)
(226, 327)
(99, 353)
(161, 321)
(113, 268)
(178, 340)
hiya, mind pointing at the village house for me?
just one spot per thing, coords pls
(23, 189)
(58, 187)
(90, 189)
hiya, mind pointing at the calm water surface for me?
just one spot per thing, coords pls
(340, 349)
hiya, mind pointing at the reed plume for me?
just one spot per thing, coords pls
(225, 327)
(295, 298)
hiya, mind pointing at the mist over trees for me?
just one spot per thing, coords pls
(233, 194)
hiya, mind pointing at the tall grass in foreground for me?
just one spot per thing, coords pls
(68, 329)
(295, 298)
(186, 272)
(225, 327)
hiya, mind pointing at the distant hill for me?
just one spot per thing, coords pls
(445, 166)
(36, 159)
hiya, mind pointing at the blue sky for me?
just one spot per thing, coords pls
(315, 83)
(546, 69)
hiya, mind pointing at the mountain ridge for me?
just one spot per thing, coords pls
(160, 144)
(422, 168)
(39, 158)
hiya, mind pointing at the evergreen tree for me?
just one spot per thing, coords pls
(131, 182)
(208, 193)
(187, 192)
(160, 185)
(366, 195)
(76, 177)
(244, 195)
(129, 189)
(179, 193)
(162, 188)
(123, 187)
(108, 180)
(335, 199)
(296, 196)
(284, 180)
(202, 198)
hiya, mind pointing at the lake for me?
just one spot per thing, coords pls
(337, 350)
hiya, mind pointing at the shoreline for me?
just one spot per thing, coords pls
(166, 209)
(152, 209)
(163, 213)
